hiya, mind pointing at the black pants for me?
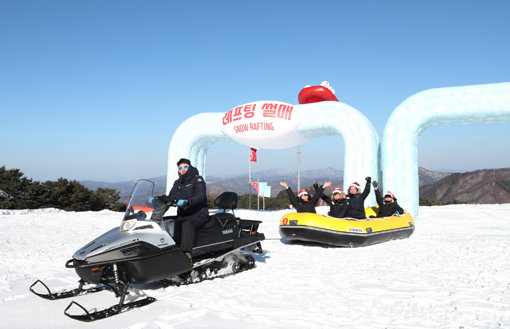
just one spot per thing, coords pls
(189, 225)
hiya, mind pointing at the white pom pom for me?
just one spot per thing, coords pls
(327, 85)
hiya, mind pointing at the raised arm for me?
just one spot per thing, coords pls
(366, 191)
(399, 209)
(292, 197)
(326, 198)
(318, 193)
(378, 197)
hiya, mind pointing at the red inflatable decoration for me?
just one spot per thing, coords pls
(315, 94)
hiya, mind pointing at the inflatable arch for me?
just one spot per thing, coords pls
(489, 103)
(196, 135)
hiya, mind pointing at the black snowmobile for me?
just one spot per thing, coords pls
(145, 250)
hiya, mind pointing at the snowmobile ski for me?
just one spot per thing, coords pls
(108, 312)
(66, 294)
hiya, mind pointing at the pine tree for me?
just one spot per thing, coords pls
(14, 183)
(106, 198)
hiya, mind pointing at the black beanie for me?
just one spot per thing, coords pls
(183, 160)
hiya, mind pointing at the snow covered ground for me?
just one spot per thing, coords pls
(453, 272)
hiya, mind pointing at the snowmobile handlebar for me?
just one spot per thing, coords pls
(163, 200)
(137, 215)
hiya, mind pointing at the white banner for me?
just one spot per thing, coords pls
(263, 124)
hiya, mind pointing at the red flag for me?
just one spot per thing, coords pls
(255, 186)
(253, 154)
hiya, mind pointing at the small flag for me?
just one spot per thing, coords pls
(264, 190)
(253, 154)
(255, 186)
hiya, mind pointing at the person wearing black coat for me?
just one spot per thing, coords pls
(356, 200)
(337, 203)
(387, 206)
(304, 203)
(190, 192)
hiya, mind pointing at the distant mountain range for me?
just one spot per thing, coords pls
(428, 176)
(239, 184)
(480, 186)
(125, 187)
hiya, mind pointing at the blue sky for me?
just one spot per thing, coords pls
(95, 89)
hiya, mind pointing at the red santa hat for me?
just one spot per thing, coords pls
(337, 190)
(356, 185)
(389, 194)
(302, 192)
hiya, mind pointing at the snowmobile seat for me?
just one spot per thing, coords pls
(226, 200)
(211, 222)
(225, 218)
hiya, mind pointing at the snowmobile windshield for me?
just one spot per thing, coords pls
(140, 203)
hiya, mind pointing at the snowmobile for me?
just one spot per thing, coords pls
(145, 250)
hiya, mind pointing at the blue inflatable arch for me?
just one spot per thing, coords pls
(489, 103)
(194, 137)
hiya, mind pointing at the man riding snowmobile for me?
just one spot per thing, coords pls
(143, 249)
(192, 213)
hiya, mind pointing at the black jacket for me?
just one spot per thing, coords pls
(191, 187)
(301, 206)
(387, 209)
(337, 208)
(356, 203)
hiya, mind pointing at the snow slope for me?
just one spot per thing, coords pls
(453, 272)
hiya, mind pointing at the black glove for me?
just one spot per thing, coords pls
(375, 184)
(315, 186)
(163, 198)
(368, 179)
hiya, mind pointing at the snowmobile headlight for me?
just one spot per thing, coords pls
(127, 225)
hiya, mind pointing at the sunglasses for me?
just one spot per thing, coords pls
(183, 167)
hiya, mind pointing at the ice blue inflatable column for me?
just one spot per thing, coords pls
(489, 103)
(360, 137)
(192, 139)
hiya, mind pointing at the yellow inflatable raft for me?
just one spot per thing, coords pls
(346, 232)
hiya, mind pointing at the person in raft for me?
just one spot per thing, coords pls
(356, 200)
(387, 206)
(337, 203)
(304, 203)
